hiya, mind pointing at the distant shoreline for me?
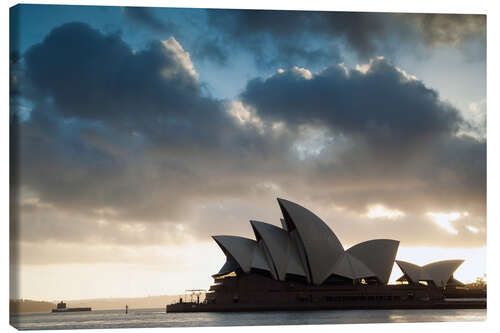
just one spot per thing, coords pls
(150, 302)
(29, 306)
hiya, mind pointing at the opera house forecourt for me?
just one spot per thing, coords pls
(303, 266)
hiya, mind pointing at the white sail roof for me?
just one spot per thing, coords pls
(350, 267)
(438, 272)
(322, 248)
(414, 272)
(378, 255)
(306, 246)
(259, 259)
(283, 224)
(239, 248)
(296, 265)
(442, 271)
(277, 243)
(229, 266)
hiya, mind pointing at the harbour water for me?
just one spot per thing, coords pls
(158, 318)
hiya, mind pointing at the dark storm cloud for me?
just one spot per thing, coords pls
(145, 17)
(361, 31)
(368, 34)
(400, 141)
(103, 97)
(382, 106)
(97, 77)
(451, 29)
(128, 138)
(109, 72)
(121, 132)
(276, 38)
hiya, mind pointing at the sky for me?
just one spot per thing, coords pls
(140, 132)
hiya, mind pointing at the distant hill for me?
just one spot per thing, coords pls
(27, 305)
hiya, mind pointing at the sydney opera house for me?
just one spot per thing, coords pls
(303, 265)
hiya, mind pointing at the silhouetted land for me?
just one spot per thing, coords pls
(24, 306)
(477, 289)
(27, 305)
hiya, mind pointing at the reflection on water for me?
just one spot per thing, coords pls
(403, 316)
(158, 318)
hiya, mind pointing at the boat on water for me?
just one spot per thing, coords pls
(61, 307)
(303, 266)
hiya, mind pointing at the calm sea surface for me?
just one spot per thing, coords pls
(158, 318)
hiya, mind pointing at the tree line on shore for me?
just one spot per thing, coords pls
(27, 305)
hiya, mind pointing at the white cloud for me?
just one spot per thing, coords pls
(278, 126)
(444, 220)
(379, 211)
(312, 142)
(302, 72)
(172, 46)
(344, 68)
(475, 116)
(269, 186)
(305, 73)
(245, 115)
(407, 76)
(364, 68)
(472, 229)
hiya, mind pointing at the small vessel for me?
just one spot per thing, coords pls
(61, 307)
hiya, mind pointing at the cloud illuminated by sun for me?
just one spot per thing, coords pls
(380, 211)
(472, 229)
(245, 115)
(444, 220)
